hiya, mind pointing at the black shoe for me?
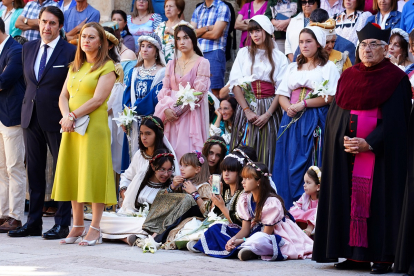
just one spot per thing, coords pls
(380, 268)
(25, 231)
(351, 265)
(56, 232)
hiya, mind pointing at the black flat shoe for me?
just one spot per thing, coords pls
(56, 232)
(380, 268)
(351, 265)
(24, 231)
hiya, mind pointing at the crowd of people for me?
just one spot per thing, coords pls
(303, 152)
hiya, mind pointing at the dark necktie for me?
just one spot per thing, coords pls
(43, 59)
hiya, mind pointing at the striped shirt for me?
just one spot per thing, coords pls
(31, 11)
(208, 16)
(336, 8)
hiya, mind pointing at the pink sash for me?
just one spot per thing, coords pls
(299, 94)
(362, 177)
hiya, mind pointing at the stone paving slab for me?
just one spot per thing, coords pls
(34, 256)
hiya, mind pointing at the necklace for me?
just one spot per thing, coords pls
(142, 17)
(145, 155)
(147, 72)
(185, 63)
(8, 14)
(80, 80)
(155, 185)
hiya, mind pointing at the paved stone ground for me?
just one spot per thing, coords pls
(35, 256)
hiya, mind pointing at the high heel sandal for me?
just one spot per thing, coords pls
(72, 240)
(92, 243)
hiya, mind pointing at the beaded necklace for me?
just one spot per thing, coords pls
(147, 72)
(155, 185)
(80, 80)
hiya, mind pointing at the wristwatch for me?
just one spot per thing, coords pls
(25, 21)
(370, 148)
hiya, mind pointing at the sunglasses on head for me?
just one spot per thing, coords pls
(309, 2)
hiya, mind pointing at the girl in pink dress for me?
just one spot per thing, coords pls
(185, 129)
(280, 238)
(304, 210)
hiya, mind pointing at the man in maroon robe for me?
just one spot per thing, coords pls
(364, 161)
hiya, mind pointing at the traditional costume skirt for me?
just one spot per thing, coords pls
(298, 147)
(117, 226)
(214, 241)
(245, 133)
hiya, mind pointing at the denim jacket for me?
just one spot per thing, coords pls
(393, 20)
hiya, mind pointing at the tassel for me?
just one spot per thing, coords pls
(358, 233)
(361, 197)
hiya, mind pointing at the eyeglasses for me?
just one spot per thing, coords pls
(144, 1)
(372, 45)
(224, 109)
(309, 2)
(163, 171)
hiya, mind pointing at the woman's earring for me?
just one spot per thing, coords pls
(100, 46)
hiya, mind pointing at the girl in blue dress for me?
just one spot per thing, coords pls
(143, 83)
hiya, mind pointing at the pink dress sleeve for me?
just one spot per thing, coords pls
(272, 211)
(202, 80)
(165, 101)
(242, 207)
(298, 204)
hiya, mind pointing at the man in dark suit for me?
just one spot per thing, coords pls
(12, 170)
(45, 67)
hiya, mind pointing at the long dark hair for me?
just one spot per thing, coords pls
(321, 55)
(207, 146)
(269, 46)
(403, 45)
(191, 34)
(112, 52)
(265, 189)
(159, 134)
(124, 17)
(233, 103)
(157, 164)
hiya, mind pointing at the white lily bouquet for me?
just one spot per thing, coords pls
(319, 90)
(187, 97)
(246, 84)
(126, 117)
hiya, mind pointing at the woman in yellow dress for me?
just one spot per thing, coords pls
(84, 168)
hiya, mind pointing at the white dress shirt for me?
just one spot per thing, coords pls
(2, 44)
(52, 46)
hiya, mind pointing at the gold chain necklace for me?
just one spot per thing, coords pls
(80, 80)
(140, 18)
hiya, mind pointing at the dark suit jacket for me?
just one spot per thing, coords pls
(11, 83)
(45, 92)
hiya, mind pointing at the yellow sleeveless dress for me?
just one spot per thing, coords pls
(84, 168)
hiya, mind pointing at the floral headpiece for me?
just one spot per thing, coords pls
(185, 23)
(161, 155)
(199, 156)
(209, 140)
(258, 169)
(244, 155)
(240, 159)
(152, 119)
(317, 171)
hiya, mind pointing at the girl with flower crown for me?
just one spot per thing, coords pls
(304, 210)
(184, 199)
(185, 129)
(268, 231)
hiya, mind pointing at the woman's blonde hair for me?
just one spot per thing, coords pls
(101, 58)
(192, 160)
(150, 9)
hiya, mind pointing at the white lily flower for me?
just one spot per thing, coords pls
(150, 245)
(187, 96)
(126, 117)
(321, 89)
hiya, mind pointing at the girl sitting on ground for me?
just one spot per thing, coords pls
(304, 210)
(215, 150)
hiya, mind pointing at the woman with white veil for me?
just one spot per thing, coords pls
(142, 85)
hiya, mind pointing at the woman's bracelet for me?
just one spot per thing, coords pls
(247, 107)
(122, 189)
(305, 104)
(270, 114)
(74, 115)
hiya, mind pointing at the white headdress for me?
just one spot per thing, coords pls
(319, 33)
(265, 23)
(401, 33)
(154, 40)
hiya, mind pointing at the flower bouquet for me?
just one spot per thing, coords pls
(187, 97)
(246, 84)
(126, 117)
(319, 90)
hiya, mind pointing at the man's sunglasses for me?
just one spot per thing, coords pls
(309, 2)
